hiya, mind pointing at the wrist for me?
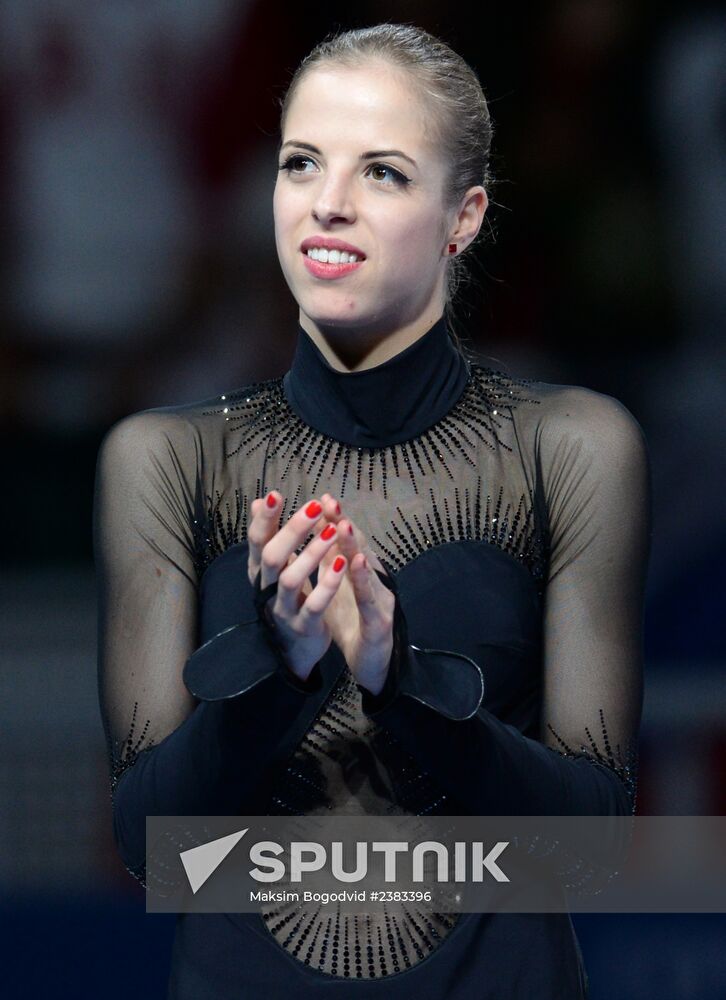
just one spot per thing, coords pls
(307, 678)
(374, 675)
(373, 683)
(382, 690)
(310, 684)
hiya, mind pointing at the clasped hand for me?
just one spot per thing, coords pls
(348, 605)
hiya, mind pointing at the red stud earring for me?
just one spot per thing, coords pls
(452, 247)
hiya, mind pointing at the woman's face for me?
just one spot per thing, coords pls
(358, 167)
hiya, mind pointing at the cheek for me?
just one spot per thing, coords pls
(279, 210)
(284, 208)
(281, 221)
(415, 242)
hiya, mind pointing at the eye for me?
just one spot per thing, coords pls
(396, 177)
(292, 162)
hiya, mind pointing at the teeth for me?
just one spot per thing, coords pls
(332, 256)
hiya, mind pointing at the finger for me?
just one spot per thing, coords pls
(364, 589)
(350, 540)
(277, 550)
(331, 508)
(353, 540)
(262, 527)
(325, 590)
(362, 561)
(293, 577)
(265, 515)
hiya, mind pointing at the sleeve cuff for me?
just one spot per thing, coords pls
(450, 683)
(237, 659)
(243, 655)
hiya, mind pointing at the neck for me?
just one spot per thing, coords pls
(356, 351)
(381, 404)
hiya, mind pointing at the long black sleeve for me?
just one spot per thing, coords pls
(169, 752)
(596, 476)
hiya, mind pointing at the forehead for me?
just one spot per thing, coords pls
(374, 105)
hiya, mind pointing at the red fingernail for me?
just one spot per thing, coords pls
(337, 508)
(328, 532)
(271, 500)
(338, 564)
(313, 508)
(350, 529)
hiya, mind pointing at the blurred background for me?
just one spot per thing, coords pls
(138, 269)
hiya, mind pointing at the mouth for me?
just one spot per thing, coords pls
(324, 263)
(333, 255)
(331, 250)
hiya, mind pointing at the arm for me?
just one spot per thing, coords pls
(596, 480)
(172, 753)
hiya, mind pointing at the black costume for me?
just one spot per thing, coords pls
(512, 516)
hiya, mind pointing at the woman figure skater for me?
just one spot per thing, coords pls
(394, 581)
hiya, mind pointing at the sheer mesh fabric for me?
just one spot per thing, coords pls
(528, 502)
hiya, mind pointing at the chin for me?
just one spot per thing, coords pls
(347, 315)
(341, 322)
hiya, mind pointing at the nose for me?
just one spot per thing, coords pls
(333, 201)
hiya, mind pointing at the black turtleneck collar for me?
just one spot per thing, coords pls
(388, 404)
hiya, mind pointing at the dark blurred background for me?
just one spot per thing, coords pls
(138, 269)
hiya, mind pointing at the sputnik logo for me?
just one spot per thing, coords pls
(200, 862)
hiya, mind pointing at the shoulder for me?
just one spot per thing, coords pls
(588, 442)
(597, 423)
(183, 427)
(146, 432)
(553, 418)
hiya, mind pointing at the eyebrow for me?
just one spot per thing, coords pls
(372, 154)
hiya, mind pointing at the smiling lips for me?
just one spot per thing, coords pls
(325, 257)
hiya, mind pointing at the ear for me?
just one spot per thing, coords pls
(469, 217)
